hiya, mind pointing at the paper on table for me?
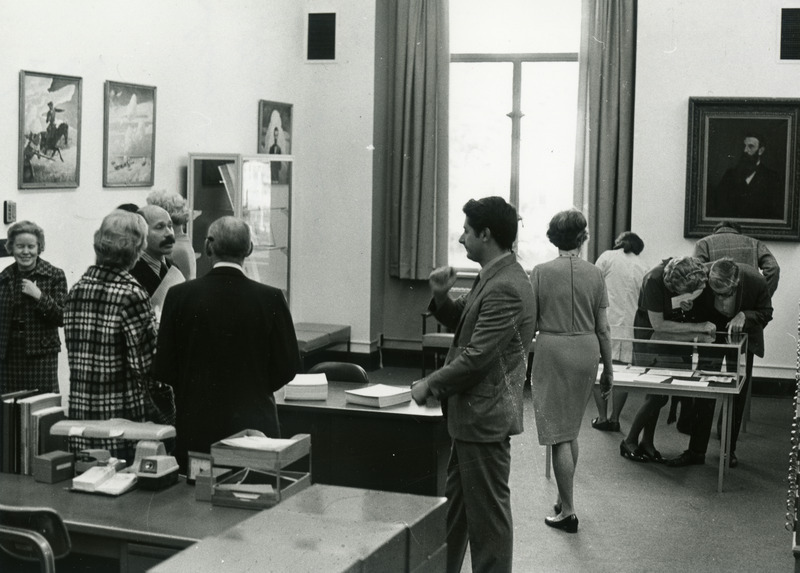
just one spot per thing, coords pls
(685, 382)
(669, 373)
(651, 378)
(677, 300)
(257, 443)
(625, 376)
(309, 379)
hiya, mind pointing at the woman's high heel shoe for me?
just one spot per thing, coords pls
(632, 455)
(568, 524)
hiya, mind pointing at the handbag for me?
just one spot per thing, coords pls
(159, 402)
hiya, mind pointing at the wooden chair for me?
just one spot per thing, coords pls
(34, 534)
(341, 372)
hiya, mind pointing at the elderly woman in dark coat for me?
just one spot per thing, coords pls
(32, 293)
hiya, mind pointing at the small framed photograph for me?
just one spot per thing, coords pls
(49, 130)
(129, 135)
(275, 135)
(197, 462)
(742, 163)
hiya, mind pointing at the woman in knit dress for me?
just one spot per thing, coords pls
(32, 293)
(573, 335)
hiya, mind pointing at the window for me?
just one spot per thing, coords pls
(513, 114)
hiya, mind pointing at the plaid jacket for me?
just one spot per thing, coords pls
(39, 319)
(728, 242)
(110, 333)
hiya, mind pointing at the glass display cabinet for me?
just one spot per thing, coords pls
(255, 188)
(679, 364)
(698, 360)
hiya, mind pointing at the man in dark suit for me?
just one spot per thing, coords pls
(749, 189)
(481, 384)
(152, 266)
(225, 344)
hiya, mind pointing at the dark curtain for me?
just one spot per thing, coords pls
(605, 119)
(418, 152)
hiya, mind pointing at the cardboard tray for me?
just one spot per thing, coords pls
(256, 489)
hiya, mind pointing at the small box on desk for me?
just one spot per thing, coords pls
(54, 466)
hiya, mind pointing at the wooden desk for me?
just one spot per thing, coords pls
(323, 528)
(723, 392)
(402, 448)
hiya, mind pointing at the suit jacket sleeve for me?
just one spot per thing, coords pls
(165, 365)
(769, 267)
(494, 329)
(283, 347)
(448, 313)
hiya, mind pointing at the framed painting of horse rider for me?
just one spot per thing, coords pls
(129, 135)
(49, 130)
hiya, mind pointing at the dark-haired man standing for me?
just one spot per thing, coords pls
(481, 384)
(225, 344)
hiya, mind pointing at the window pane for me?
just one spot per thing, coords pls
(514, 26)
(480, 142)
(547, 153)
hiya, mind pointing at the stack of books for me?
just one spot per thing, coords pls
(27, 419)
(379, 395)
(307, 387)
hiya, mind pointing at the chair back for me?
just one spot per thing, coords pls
(341, 372)
(34, 534)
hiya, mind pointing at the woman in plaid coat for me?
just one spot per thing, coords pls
(110, 333)
(32, 293)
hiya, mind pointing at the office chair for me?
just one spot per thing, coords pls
(34, 534)
(341, 372)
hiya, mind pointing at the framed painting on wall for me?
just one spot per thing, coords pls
(275, 135)
(742, 164)
(129, 135)
(49, 130)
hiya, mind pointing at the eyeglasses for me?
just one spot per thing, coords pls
(724, 293)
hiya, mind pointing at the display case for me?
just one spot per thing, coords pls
(656, 357)
(255, 188)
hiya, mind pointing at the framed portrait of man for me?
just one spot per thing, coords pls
(275, 135)
(742, 165)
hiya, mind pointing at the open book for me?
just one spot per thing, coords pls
(379, 395)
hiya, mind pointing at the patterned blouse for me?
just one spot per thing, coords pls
(110, 333)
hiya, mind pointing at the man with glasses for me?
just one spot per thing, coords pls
(736, 300)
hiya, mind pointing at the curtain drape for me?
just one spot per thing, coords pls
(418, 156)
(605, 119)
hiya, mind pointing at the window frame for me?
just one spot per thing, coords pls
(516, 115)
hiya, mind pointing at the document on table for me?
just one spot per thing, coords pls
(670, 373)
(686, 382)
(625, 375)
(651, 378)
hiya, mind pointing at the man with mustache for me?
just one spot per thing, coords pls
(750, 189)
(153, 264)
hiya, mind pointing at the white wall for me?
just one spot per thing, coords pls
(714, 48)
(211, 62)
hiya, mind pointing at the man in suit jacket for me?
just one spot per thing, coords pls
(152, 266)
(225, 344)
(736, 299)
(481, 385)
